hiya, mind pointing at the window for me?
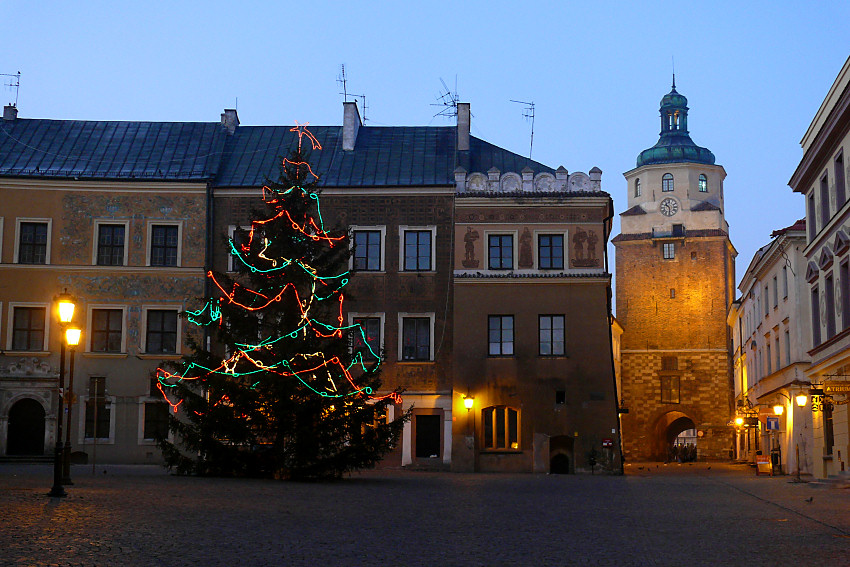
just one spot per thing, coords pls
(32, 242)
(417, 250)
(667, 182)
(366, 337)
(669, 363)
(552, 336)
(416, 339)
(550, 249)
(500, 332)
(107, 330)
(98, 414)
(670, 390)
(161, 331)
(815, 317)
(367, 250)
(828, 429)
(785, 282)
(637, 187)
(560, 397)
(239, 236)
(164, 247)
(775, 292)
(810, 217)
(501, 251)
(839, 180)
(829, 297)
(501, 427)
(824, 200)
(703, 183)
(110, 244)
(28, 329)
(767, 359)
(672, 293)
(787, 347)
(777, 351)
(766, 301)
(668, 250)
(844, 274)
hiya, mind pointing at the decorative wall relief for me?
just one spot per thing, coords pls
(585, 249)
(469, 239)
(526, 256)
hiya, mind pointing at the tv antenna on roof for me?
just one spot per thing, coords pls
(528, 114)
(14, 83)
(343, 83)
(448, 99)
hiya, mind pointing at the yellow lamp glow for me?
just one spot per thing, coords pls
(778, 409)
(801, 400)
(65, 305)
(468, 401)
(72, 336)
(739, 421)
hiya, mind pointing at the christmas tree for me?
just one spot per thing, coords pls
(287, 389)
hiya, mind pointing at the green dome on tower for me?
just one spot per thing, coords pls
(675, 144)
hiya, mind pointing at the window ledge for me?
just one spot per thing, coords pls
(415, 362)
(27, 353)
(159, 356)
(412, 272)
(501, 451)
(95, 354)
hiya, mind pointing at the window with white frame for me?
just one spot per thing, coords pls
(703, 183)
(368, 248)
(33, 241)
(238, 236)
(28, 327)
(637, 187)
(500, 335)
(161, 330)
(153, 418)
(668, 250)
(107, 330)
(110, 243)
(416, 339)
(667, 182)
(98, 417)
(367, 335)
(416, 252)
(552, 335)
(550, 251)
(164, 244)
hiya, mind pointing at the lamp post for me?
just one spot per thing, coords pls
(468, 402)
(72, 338)
(65, 307)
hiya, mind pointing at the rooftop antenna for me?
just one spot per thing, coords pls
(528, 114)
(14, 83)
(343, 83)
(673, 64)
(448, 99)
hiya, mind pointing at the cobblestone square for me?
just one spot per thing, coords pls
(655, 515)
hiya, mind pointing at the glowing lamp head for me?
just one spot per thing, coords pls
(739, 421)
(65, 305)
(468, 401)
(801, 400)
(72, 336)
(778, 409)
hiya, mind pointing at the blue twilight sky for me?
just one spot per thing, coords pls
(754, 73)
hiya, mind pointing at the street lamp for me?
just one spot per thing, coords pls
(65, 308)
(468, 402)
(72, 338)
(778, 409)
(801, 399)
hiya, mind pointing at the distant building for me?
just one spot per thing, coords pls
(675, 281)
(480, 274)
(821, 177)
(770, 338)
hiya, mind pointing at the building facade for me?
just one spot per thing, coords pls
(428, 292)
(770, 339)
(821, 179)
(675, 281)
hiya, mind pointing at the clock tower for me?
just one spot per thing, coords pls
(675, 281)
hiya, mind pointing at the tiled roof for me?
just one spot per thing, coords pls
(689, 234)
(110, 150)
(705, 206)
(636, 210)
(382, 156)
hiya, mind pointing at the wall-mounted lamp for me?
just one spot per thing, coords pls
(778, 409)
(468, 402)
(801, 399)
(739, 421)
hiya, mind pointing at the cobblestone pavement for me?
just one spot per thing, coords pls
(655, 515)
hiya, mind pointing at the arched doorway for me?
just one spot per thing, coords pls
(560, 454)
(667, 428)
(26, 428)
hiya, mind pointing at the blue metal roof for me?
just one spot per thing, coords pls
(383, 155)
(110, 150)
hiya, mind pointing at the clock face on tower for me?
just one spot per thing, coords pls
(669, 207)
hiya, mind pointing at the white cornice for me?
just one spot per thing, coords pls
(70, 185)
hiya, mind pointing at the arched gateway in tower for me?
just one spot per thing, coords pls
(675, 281)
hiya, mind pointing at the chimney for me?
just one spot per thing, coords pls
(463, 126)
(229, 120)
(10, 112)
(350, 125)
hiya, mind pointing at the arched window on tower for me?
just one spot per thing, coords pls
(637, 187)
(667, 182)
(676, 120)
(703, 183)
